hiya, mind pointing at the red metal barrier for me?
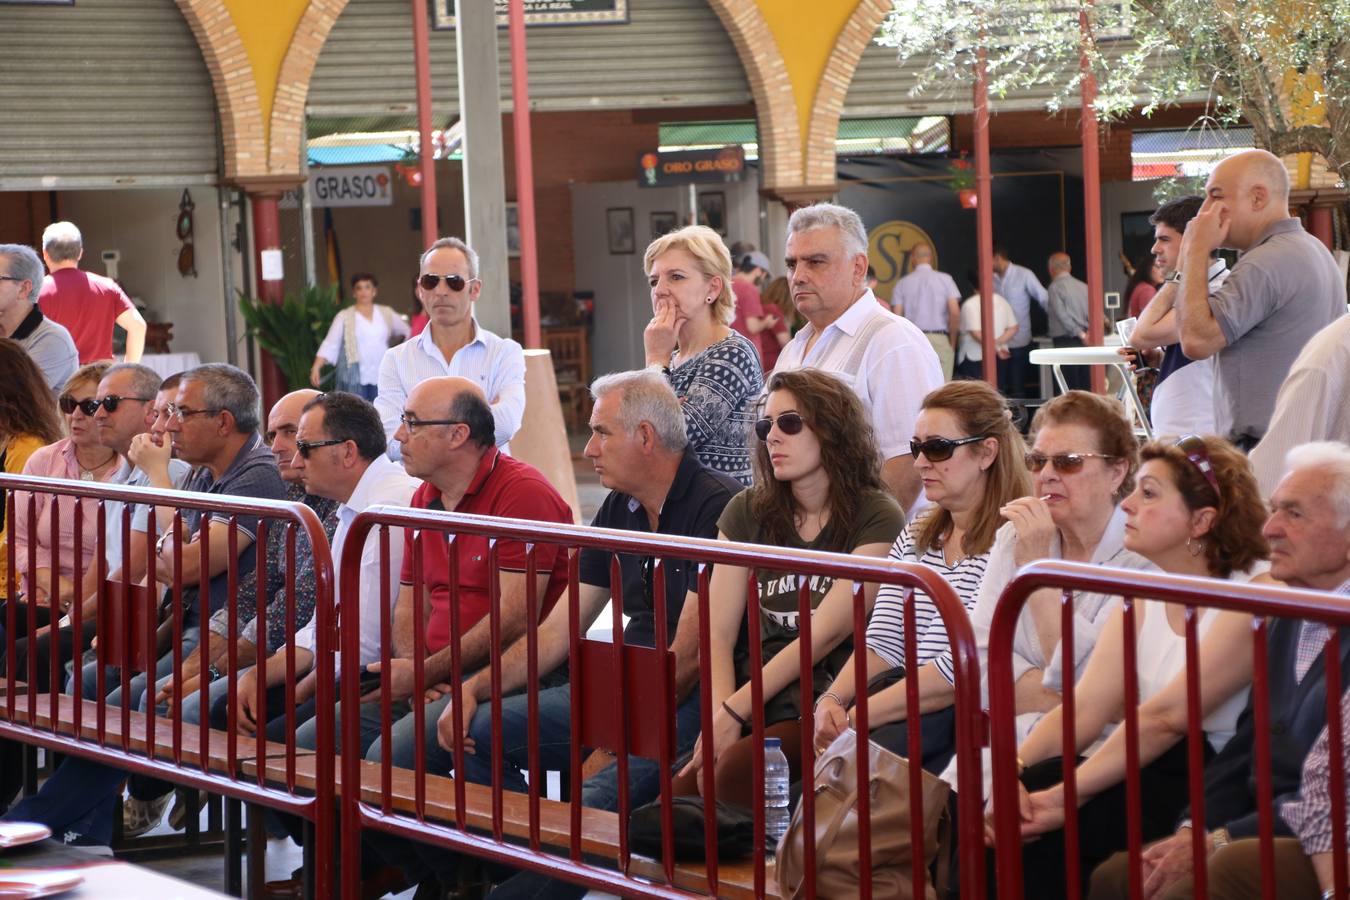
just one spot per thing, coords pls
(461, 818)
(1262, 602)
(47, 718)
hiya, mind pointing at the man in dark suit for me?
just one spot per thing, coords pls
(1309, 534)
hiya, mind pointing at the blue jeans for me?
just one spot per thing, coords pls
(601, 791)
(78, 800)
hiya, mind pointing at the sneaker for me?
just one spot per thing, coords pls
(187, 802)
(139, 816)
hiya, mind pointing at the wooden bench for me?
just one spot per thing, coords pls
(599, 829)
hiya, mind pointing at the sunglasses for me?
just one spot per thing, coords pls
(456, 283)
(789, 423)
(1064, 463)
(1194, 447)
(414, 422)
(305, 448)
(941, 449)
(69, 404)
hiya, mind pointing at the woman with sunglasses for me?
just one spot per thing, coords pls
(972, 462)
(1196, 511)
(817, 487)
(27, 422)
(714, 370)
(79, 457)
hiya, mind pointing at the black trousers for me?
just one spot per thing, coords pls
(1103, 825)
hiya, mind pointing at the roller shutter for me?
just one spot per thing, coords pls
(669, 53)
(103, 93)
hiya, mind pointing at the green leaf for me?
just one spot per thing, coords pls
(291, 331)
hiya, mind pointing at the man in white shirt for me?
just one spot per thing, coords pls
(340, 455)
(453, 343)
(970, 355)
(929, 299)
(885, 359)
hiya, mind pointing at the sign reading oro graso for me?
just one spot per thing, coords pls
(547, 12)
(889, 246)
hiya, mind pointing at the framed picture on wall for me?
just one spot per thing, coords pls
(664, 223)
(512, 230)
(619, 220)
(712, 211)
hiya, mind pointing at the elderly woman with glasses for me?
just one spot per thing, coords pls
(1197, 511)
(79, 457)
(817, 487)
(972, 462)
(714, 370)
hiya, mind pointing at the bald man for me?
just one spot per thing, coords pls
(930, 300)
(446, 434)
(1068, 309)
(1284, 289)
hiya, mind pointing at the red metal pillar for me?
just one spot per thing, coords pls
(520, 122)
(1092, 198)
(984, 221)
(426, 150)
(1319, 222)
(267, 263)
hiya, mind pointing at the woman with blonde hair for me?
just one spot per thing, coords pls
(972, 461)
(714, 370)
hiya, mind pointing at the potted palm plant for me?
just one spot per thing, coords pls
(291, 331)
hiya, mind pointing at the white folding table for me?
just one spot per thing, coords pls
(1057, 357)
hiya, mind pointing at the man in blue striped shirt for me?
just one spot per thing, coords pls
(1019, 287)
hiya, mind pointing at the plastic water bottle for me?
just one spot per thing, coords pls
(776, 778)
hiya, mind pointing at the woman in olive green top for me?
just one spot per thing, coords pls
(817, 487)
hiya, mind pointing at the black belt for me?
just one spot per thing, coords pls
(943, 331)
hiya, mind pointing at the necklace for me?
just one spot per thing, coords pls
(90, 474)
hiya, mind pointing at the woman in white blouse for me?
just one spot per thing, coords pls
(1197, 510)
(357, 339)
(971, 459)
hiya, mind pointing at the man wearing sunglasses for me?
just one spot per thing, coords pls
(49, 344)
(887, 360)
(453, 343)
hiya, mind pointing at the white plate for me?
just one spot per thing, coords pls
(30, 883)
(16, 834)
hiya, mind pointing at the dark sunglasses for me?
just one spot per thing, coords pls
(69, 404)
(941, 449)
(1194, 447)
(1064, 463)
(456, 283)
(304, 448)
(789, 423)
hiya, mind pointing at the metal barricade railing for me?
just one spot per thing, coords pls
(447, 821)
(1263, 602)
(127, 628)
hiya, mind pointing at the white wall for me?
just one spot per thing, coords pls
(141, 224)
(1120, 197)
(622, 300)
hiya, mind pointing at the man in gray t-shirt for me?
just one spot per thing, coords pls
(49, 344)
(1284, 289)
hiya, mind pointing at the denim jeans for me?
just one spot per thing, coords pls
(79, 798)
(601, 791)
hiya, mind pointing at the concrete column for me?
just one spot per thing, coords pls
(267, 265)
(484, 168)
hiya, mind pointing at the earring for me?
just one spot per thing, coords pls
(712, 299)
(1194, 547)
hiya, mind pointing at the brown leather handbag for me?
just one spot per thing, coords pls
(836, 837)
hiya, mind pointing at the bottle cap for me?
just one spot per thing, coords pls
(773, 743)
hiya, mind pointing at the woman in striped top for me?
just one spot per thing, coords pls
(970, 457)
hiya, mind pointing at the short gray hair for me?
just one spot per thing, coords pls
(24, 263)
(456, 244)
(62, 242)
(1332, 460)
(231, 389)
(831, 215)
(646, 396)
(145, 381)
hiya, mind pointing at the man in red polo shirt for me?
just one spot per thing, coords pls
(87, 305)
(447, 438)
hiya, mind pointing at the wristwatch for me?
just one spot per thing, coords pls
(1174, 278)
(213, 671)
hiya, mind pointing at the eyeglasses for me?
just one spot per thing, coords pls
(941, 449)
(11, 278)
(304, 448)
(789, 423)
(110, 403)
(430, 281)
(183, 412)
(414, 422)
(1064, 463)
(69, 404)
(1194, 447)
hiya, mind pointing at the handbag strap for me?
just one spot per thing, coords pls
(826, 841)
